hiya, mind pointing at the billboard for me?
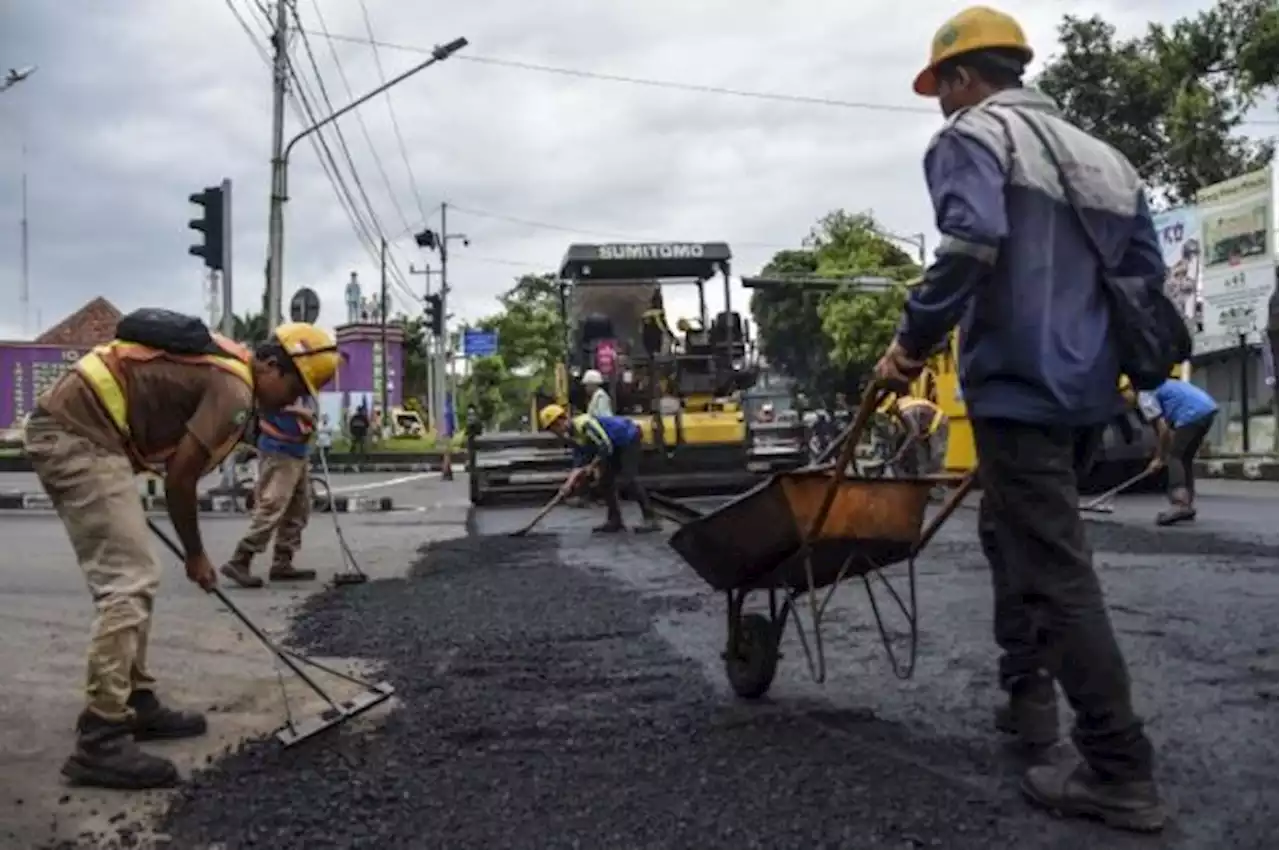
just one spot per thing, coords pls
(26, 371)
(1238, 260)
(1179, 234)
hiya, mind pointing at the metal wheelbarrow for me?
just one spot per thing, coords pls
(801, 534)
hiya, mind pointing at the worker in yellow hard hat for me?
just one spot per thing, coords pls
(611, 446)
(1022, 261)
(166, 396)
(282, 489)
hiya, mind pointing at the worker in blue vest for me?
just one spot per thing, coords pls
(609, 446)
(1182, 415)
(282, 496)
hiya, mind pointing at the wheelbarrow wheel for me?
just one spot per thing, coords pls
(751, 665)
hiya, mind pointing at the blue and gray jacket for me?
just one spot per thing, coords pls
(600, 436)
(1016, 271)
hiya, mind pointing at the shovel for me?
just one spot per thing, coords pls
(338, 712)
(546, 509)
(1102, 503)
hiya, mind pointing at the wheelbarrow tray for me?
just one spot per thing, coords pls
(757, 540)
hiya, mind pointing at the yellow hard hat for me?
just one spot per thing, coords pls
(313, 350)
(549, 414)
(976, 28)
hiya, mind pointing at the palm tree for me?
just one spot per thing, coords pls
(250, 329)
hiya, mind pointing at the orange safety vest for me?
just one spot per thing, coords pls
(305, 418)
(101, 369)
(908, 404)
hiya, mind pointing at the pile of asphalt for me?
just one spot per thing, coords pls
(538, 710)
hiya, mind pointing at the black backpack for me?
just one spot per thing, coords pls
(168, 331)
(1150, 334)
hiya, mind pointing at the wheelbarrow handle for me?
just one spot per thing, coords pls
(870, 399)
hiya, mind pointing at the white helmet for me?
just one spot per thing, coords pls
(591, 377)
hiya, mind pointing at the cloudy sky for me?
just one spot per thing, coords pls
(136, 105)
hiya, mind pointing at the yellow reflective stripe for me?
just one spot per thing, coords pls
(907, 404)
(105, 386)
(592, 431)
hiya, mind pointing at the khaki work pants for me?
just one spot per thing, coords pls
(95, 495)
(282, 506)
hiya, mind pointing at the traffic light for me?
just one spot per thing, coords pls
(426, 239)
(434, 314)
(210, 225)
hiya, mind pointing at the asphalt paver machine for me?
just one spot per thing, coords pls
(682, 386)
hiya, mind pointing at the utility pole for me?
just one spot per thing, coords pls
(382, 316)
(442, 340)
(26, 242)
(275, 218)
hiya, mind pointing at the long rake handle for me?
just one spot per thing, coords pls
(249, 624)
(1115, 491)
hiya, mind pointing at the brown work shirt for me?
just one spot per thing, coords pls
(165, 400)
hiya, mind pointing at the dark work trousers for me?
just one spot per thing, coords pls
(1182, 455)
(1049, 610)
(620, 474)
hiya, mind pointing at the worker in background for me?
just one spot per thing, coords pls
(765, 414)
(1016, 266)
(1182, 415)
(921, 436)
(281, 497)
(598, 401)
(654, 327)
(125, 408)
(358, 430)
(611, 446)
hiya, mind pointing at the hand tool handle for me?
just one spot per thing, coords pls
(870, 399)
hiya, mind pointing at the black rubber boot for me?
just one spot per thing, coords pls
(1076, 791)
(237, 569)
(107, 756)
(155, 722)
(1031, 714)
(1176, 514)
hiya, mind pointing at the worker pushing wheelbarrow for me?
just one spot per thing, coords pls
(802, 533)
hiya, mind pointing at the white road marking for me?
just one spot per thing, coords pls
(390, 482)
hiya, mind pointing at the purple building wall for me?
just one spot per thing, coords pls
(26, 371)
(361, 367)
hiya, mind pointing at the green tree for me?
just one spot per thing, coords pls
(829, 338)
(415, 356)
(530, 330)
(1172, 100)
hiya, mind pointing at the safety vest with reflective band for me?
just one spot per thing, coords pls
(600, 436)
(288, 431)
(912, 406)
(101, 369)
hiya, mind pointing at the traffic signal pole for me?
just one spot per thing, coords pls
(228, 318)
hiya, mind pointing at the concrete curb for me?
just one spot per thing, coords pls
(13, 501)
(1238, 469)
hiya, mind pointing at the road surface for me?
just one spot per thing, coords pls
(562, 691)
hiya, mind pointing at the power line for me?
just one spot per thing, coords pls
(543, 225)
(675, 84)
(652, 83)
(391, 110)
(305, 114)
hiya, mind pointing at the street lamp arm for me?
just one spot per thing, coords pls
(438, 54)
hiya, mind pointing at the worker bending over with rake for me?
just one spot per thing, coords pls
(1039, 365)
(173, 396)
(1182, 415)
(281, 496)
(611, 447)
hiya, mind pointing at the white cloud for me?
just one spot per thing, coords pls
(130, 113)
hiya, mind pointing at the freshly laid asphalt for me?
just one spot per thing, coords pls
(565, 691)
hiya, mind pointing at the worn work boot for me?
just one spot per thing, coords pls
(237, 569)
(611, 526)
(1031, 714)
(107, 756)
(649, 526)
(154, 722)
(1074, 790)
(285, 571)
(1176, 513)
